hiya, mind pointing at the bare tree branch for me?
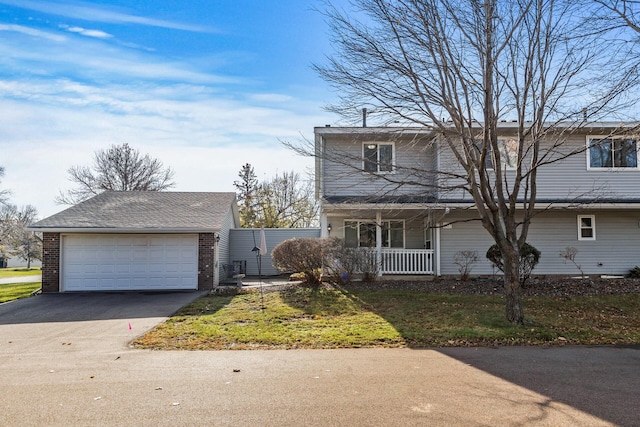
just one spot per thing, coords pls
(119, 168)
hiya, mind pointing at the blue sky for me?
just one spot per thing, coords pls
(203, 85)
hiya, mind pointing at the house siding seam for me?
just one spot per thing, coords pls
(50, 262)
(206, 248)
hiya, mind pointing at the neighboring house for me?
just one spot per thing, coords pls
(590, 200)
(13, 261)
(138, 240)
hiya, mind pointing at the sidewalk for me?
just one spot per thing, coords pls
(21, 279)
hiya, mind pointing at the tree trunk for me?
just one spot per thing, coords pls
(513, 303)
(513, 289)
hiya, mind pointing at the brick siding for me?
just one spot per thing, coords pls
(206, 245)
(50, 262)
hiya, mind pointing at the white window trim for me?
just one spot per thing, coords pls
(593, 227)
(613, 168)
(373, 221)
(393, 158)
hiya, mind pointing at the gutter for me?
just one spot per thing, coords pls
(123, 230)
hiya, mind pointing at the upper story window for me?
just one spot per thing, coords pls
(508, 148)
(612, 153)
(378, 157)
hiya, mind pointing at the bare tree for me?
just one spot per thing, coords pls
(4, 194)
(459, 69)
(26, 245)
(285, 201)
(119, 168)
(7, 220)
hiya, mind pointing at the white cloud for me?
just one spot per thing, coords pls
(88, 58)
(88, 33)
(32, 32)
(48, 126)
(90, 12)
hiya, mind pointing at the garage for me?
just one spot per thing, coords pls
(128, 262)
(138, 241)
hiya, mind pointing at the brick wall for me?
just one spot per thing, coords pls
(50, 262)
(206, 245)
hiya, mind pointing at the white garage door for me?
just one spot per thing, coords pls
(104, 262)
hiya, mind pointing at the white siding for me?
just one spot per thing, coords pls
(344, 177)
(615, 251)
(566, 179)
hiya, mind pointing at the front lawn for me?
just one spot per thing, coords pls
(301, 317)
(19, 271)
(13, 291)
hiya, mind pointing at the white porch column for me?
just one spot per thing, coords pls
(437, 248)
(324, 232)
(379, 242)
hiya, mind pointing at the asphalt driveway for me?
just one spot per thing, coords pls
(94, 322)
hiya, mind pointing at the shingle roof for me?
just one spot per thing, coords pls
(144, 210)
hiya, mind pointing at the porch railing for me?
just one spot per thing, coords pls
(406, 261)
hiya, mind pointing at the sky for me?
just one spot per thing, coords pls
(205, 86)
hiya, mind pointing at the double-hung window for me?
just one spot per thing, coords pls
(612, 153)
(377, 158)
(363, 234)
(586, 227)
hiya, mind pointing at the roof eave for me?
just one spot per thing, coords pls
(123, 230)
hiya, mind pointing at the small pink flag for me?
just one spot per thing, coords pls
(130, 326)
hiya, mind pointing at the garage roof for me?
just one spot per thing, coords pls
(145, 211)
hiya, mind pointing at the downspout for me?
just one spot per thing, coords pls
(216, 260)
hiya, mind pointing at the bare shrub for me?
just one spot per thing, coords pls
(569, 254)
(465, 261)
(342, 263)
(300, 256)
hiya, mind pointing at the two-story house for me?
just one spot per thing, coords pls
(394, 190)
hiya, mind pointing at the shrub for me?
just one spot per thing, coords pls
(342, 263)
(529, 258)
(569, 254)
(465, 260)
(300, 256)
(634, 273)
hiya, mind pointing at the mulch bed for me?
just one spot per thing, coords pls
(555, 287)
(550, 287)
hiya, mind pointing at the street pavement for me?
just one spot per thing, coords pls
(66, 361)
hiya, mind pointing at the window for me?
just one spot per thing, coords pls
(612, 153)
(377, 157)
(363, 234)
(508, 148)
(586, 227)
